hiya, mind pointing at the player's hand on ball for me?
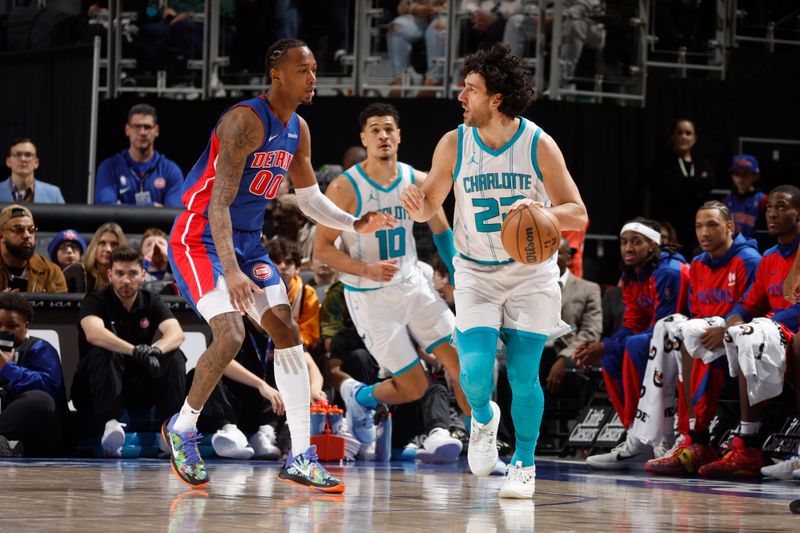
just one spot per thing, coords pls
(382, 270)
(241, 289)
(413, 200)
(373, 221)
(523, 202)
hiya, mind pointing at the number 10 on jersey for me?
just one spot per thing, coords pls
(391, 243)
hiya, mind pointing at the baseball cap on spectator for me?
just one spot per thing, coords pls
(63, 236)
(745, 162)
(13, 211)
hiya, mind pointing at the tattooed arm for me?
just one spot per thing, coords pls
(239, 133)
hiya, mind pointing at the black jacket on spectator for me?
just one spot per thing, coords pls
(106, 383)
(139, 326)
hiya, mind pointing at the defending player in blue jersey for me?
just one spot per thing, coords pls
(224, 272)
(388, 295)
(493, 293)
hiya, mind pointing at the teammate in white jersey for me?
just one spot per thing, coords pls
(387, 293)
(498, 162)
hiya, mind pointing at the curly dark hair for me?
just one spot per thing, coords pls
(378, 109)
(12, 301)
(504, 75)
(277, 52)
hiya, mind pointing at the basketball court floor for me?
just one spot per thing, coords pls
(143, 495)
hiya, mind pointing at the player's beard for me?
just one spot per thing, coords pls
(476, 121)
(19, 252)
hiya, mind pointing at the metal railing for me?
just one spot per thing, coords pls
(368, 67)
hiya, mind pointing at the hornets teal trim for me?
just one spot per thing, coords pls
(358, 194)
(384, 189)
(505, 146)
(360, 289)
(527, 334)
(405, 368)
(433, 346)
(534, 160)
(488, 263)
(458, 157)
(485, 329)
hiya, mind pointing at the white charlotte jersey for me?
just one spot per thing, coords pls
(486, 183)
(396, 243)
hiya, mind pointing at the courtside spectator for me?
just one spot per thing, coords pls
(121, 364)
(91, 273)
(285, 255)
(290, 224)
(21, 268)
(681, 182)
(581, 307)
(158, 273)
(22, 187)
(33, 403)
(746, 202)
(66, 248)
(139, 175)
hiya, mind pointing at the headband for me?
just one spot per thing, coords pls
(647, 231)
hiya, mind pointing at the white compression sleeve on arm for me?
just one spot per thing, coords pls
(317, 206)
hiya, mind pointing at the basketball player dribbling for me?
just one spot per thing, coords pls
(498, 161)
(222, 269)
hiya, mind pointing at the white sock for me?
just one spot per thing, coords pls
(187, 418)
(291, 376)
(749, 428)
(691, 423)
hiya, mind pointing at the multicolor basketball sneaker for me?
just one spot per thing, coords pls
(305, 470)
(688, 457)
(184, 455)
(741, 461)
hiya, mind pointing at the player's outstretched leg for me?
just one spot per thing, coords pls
(184, 455)
(306, 470)
(477, 350)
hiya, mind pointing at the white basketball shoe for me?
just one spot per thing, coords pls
(630, 454)
(264, 444)
(482, 452)
(113, 439)
(230, 442)
(520, 481)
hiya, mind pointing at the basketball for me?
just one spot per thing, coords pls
(531, 235)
